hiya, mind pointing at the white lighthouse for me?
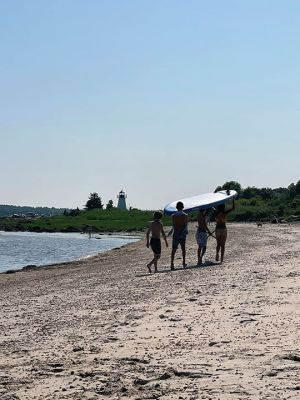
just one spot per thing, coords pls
(122, 202)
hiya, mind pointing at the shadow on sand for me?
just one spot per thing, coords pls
(207, 264)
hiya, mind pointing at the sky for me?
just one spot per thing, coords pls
(164, 99)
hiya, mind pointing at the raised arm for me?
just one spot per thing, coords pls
(232, 208)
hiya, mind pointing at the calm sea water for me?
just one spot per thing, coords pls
(18, 249)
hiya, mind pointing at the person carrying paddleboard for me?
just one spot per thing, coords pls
(180, 223)
(202, 234)
(221, 230)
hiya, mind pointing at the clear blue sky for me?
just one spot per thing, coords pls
(163, 99)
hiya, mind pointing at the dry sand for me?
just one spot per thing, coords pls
(105, 329)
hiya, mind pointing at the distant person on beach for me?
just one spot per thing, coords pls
(156, 229)
(221, 230)
(179, 230)
(202, 234)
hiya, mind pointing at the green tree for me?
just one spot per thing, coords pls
(74, 213)
(230, 185)
(249, 192)
(218, 188)
(297, 188)
(266, 193)
(93, 202)
(292, 190)
(280, 211)
(109, 205)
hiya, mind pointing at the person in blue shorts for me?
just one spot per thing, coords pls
(180, 231)
(202, 234)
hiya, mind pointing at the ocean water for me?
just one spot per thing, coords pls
(18, 249)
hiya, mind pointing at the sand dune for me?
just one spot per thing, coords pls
(103, 328)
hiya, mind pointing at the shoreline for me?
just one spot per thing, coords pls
(28, 267)
(105, 328)
(32, 267)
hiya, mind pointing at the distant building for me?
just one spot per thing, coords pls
(122, 202)
(31, 215)
(27, 215)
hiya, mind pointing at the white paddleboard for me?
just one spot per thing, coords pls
(202, 201)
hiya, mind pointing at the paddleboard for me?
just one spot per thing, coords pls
(202, 201)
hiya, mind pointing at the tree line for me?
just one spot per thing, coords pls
(8, 210)
(265, 203)
(252, 204)
(265, 193)
(94, 202)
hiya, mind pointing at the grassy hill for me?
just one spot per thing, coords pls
(97, 220)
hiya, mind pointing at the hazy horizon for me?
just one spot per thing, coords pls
(115, 201)
(164, 100)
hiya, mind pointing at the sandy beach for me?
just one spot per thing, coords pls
(103, 328)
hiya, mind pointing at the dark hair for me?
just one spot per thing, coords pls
(179, 205)
(157, 215)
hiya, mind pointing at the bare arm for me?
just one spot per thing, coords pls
(206, 227)
(232, 208)
(164, 235)
(148, 236)
(186, 221)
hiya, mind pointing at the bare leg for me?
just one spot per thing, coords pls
(222, 242)
(218, 250)
(183, 254)
(199, 255)
(222, 252)
(153, 262)
(149, 267)
(172, 258)
(202, 254)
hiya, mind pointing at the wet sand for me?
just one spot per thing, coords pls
(103, 328)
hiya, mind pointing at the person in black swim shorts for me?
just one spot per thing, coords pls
(156, 229)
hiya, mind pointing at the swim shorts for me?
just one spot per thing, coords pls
(155, 245)
(179, 238)
(201, 237)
